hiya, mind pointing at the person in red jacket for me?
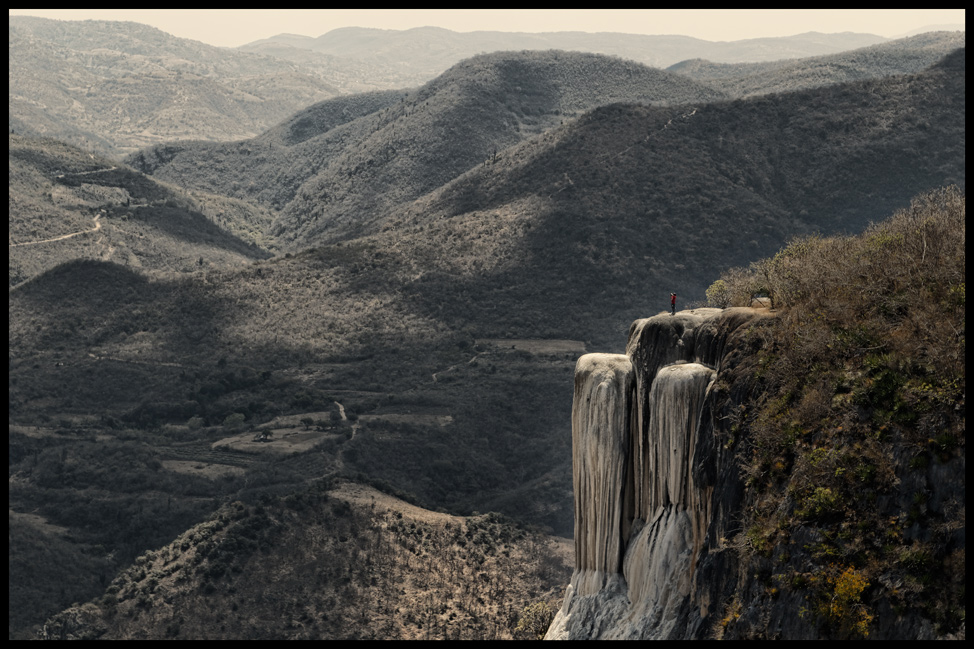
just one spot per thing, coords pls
(672, 303)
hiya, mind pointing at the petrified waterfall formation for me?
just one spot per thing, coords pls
(642, 436)
(600, 436)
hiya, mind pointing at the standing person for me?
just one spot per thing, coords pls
(672, 303)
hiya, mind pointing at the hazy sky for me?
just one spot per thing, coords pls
(233, 27)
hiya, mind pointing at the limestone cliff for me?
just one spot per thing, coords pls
(675, 539)
(797, 474)
(644, 477)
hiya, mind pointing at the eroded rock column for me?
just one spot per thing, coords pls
(600, 446)
(659, 560)
(664, 450)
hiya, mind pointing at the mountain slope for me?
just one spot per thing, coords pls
(346, 562)
(902, 56)
(66, 204)
(271, 167)
(338, 181)
(481, 106)
(663, 198)
(117, 86)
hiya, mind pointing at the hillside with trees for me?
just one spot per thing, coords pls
(445, 255)
(66, 204)
(851, 436)
(352, 172)
(113, 87)
(566, 226)
(270, 168)
(902, 56)
(332, 561)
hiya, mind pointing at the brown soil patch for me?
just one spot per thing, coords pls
(283, 441)
(534, 345)
(205, 469)
(36, 521)
(365, 495)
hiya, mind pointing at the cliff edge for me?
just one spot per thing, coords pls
(718, 495)
(642, 431)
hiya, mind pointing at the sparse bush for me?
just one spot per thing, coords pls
(234, 421)
(718, 295)
(822, 502)
(534, 621)
(840, 602)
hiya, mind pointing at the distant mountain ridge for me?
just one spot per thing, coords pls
(113, 87)
(334, 168)
(904, 56)
(430, 50)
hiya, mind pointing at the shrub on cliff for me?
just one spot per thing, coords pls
(857, 425)
(534, 622)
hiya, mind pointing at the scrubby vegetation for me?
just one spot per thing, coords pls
(66, 204)
(134, 85)
(902, 56)
(312, 565)
(161, 328)
(858, 428)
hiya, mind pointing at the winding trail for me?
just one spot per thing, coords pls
(62, 237)
(73, 234)
(341, 411)
(86, 173)
(135, 362)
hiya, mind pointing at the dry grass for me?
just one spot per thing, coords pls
(352, 563)
(858, 422)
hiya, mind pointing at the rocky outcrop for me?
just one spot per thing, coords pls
(644, 472)
(600, 442)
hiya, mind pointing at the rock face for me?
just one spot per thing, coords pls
(644, 476)
(604, 386)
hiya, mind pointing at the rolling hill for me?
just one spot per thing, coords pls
(667, 197)
(67, 204)
(901, 56)
(113, 87)
(333, 561)
(425, 52)
(351, 172)
(270, 168)
(334, 169)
